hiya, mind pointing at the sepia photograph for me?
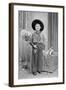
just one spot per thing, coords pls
(36, 44)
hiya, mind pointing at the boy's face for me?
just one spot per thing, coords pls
(37, 28)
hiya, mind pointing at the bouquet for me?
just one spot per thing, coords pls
(26, 35)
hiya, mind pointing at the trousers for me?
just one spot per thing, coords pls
(37, 60)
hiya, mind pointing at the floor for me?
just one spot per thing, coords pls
(25, 74)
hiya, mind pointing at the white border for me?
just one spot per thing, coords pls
(60, 45)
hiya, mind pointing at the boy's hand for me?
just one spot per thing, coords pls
(35, 46)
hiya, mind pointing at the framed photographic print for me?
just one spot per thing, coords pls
(36, 44)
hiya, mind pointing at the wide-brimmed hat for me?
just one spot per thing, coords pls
(37, 21)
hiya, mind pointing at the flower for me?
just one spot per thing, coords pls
(26, 35)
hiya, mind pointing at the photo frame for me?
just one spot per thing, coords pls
(36, 44)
